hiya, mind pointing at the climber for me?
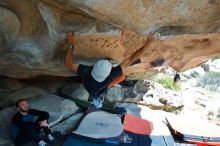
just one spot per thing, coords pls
(96, 79)
(27, 123)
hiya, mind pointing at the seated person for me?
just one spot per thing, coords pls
(27, 123)
(98, 78)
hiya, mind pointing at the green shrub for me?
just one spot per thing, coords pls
(168, 82)
(218, 57)
(210, 81)
(194, 74)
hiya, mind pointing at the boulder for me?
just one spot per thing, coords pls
(115, 94)
(50, 84)
(130, 94)
(132, 91)
(141, 87)
(32, 48)
(10, 98)
(10, 84)
(66, 127)
(75, 90)
(57, 107)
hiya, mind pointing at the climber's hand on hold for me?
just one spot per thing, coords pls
(70, 41)
(153, 36)
(70, 38)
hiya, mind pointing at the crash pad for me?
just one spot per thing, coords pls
(137, 125)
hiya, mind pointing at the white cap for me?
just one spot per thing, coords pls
(101, 70)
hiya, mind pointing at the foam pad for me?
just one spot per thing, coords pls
(137, 125)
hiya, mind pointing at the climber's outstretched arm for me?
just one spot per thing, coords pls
(68, 62)
(128, 61)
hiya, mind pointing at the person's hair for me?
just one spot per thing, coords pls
(107, 58)
(20, 100)
(112, 61)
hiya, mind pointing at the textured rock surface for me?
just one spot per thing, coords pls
(131, 92)
(10, 84)
(32, 33)
(66, 127)
(115, 94)
(164, 16)
(9, 98)
(62, 109)
(75, 90)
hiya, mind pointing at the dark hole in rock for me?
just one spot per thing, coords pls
(163, 101)
(212, 1)
(157, 62)
(129, 83)
(174, 30)
(136, 62)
